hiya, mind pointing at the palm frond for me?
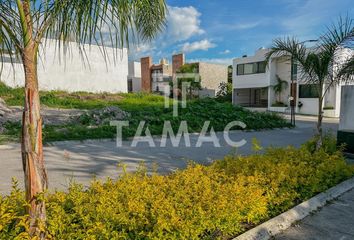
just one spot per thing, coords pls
(113, 23)
(10, 36)
(339, 34)
(287, 46)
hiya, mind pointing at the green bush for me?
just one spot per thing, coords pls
(196, 113)
(224, 93)
(142, 107)
(201, 202)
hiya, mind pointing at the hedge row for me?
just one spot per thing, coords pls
(201, 202)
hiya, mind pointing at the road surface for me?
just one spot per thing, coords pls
(80, 161)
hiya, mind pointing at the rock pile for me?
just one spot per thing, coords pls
(103, 116)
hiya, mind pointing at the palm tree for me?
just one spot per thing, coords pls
(320, 65)
(279, 87)
(26, 24)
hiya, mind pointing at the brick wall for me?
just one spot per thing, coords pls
(146, 64)
(177, 62)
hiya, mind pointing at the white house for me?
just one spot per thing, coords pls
(74, 71)
(253, 83)
(134, 76)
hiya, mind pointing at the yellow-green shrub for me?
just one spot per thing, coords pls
(200, 202)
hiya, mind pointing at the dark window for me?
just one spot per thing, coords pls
(308, 91)
(261, 67)
(251, 68)
(240, 69)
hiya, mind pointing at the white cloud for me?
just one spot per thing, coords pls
(223, 61)
(182, 23)
(144, 47)
(238, 26)
(227, 51)
(245, 25)
(199, 45)
(141, 50)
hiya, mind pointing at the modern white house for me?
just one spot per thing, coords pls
(74, 71)
(253, 84)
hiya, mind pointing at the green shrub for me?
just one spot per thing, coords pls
(201, 202)
(224, 93)
(143, 107)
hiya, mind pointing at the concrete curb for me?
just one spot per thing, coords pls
(280, 223)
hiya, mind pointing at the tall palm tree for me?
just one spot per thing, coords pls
(26, 24)
(320, 65)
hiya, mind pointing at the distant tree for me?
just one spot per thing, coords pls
(193, 85)
(229, 73)
(225, 92)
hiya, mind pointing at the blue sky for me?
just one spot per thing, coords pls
(219, 30)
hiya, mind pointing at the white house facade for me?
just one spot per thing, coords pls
(134, 77)
(74, 71)
(253, 85)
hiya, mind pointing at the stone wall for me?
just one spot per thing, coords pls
(212, 75)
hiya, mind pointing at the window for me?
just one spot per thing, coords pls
(240, 69)
(261, 67)
(248, 68)
(251, 68)
(308, 91)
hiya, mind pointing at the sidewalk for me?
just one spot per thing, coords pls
(333, 222)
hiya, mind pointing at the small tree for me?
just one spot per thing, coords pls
(321, 66)
(229, 73)
(279, 87)
(193, 85)
(225, 92)
(24, 26)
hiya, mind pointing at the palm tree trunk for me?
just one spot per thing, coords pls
(31, 142)
(32, 148)
(319, 122)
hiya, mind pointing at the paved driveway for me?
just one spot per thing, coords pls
(81, 161)
(333, 222)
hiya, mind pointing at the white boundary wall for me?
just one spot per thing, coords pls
(73, 73)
